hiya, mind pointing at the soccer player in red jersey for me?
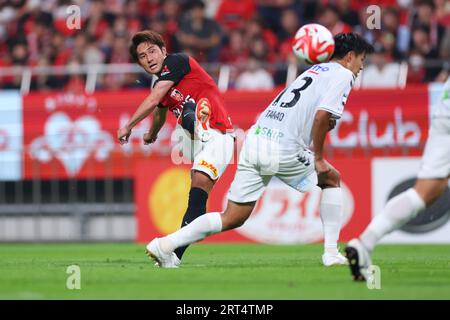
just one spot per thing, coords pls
(184, 88)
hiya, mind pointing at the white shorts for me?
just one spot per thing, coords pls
(435, 161)
(211, 157)
(259, 161)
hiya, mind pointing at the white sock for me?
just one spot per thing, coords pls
(396, 213)
(331, 215)
(200, 228)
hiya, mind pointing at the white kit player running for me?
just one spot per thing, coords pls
(278, 145)
(432, 181)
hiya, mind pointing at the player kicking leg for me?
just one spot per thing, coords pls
(210, 158)
(431, 183)
(258, 163)
(278, 145)
(184, 88)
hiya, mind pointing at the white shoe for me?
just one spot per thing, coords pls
(175, 261)
(329, 259)
(202, 114)
(163, 260)
(359, 260)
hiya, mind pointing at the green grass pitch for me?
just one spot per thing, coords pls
(218, 271)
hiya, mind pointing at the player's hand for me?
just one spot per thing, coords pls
(149, 137)
(322, 167)
(331, 124)
(123, 134)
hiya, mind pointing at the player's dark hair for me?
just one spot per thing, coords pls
(346, 42)
(196, 4)
(145, 36)
(429, 3)
(393, 11)
(332, 8)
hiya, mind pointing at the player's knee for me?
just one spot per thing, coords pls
(188, 117)
(430, 191)
(202, 180)
(337, 177)
(331, 180)
(334, 179)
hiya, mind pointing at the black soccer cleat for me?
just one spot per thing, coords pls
(353, 262)
(359, 260)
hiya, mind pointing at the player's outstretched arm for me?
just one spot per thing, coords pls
(147, 106)
(159, 118)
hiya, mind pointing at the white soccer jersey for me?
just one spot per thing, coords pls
(435, 161)
(288, 120)
(443, 108)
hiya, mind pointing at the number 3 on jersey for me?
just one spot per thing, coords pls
(295, 91)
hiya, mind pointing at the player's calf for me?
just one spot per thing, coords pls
(236, 214)
(331, 204)
(196, 207)
(430, 189)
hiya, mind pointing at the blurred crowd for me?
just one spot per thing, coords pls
(254, 36)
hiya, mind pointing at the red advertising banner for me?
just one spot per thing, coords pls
(382, 123)
(283, 215)
(74, 135)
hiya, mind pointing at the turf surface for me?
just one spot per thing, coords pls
(213, 271)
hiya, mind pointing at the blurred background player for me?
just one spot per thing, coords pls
(184, 88)
(431, 183)
(278, 145)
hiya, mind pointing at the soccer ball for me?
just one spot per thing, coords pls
(313, 43)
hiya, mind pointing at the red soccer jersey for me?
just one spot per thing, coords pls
(192, 83)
